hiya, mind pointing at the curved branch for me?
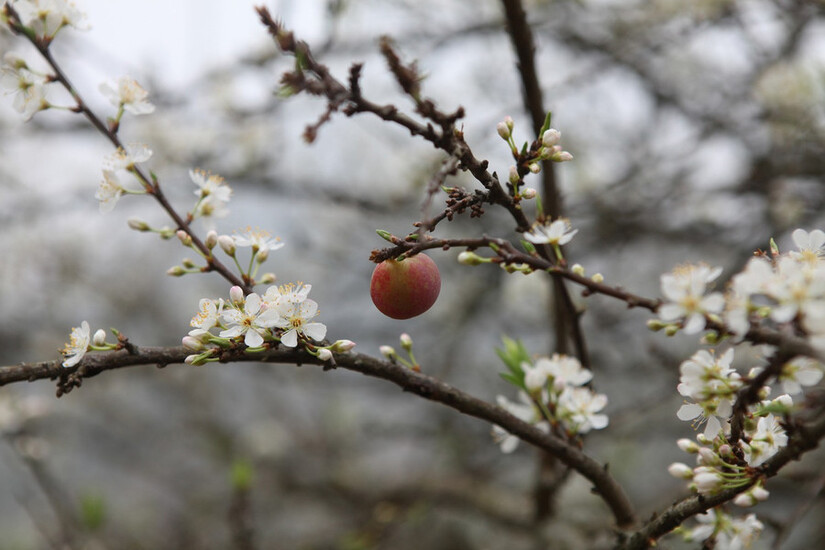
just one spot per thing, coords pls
(805, 438)
(408, 380)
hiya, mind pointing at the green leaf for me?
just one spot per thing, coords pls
(92, 511)
(546, 125)
(386, 235)
(241, 475)
(528, 247)
(514, 380)
(513, 354)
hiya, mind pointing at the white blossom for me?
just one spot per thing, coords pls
(557, 233)
(77, 346)
(258, 240)
(252, 321)
(684, 291)
(125, 159)
(579, 409)
(46, 17)
(295, 317)
(208, 313)
(28, 87)
(766, 441)
(213, 194)
(129, 94)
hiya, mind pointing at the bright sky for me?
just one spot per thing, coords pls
(179, 40)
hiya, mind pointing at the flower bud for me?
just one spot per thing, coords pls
(745, 500)
(578, 269)
(236, 294)
(470, 258)
(760, 493)
(508, 120)
(688, 445)
(176, 271)
(324, 354)
(138, 225)
(387, 351)
(184, 237)
(211, 239)
(188, 263)
(166, 233)
(707, 456)
(562, 156)
(341, 346)
(262, 255)
(655, 325)
(192, 344)
(227, 244)
(267, 278)
(551, 138)
(99, 338)
(503, 130)
(406, 342)
(528, 193)
(514, 177)
(681, 471)
(597, 278)
(785, 400)
(535, 168)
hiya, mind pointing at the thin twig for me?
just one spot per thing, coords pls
(151, 184)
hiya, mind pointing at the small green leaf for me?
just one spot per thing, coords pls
(528, 247)
(546, 125)
(386, 235)
(513, 354)
(774, 248)
(92, 511)
(241, 475)
(512, 379)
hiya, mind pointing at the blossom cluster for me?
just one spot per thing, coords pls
(775, 289)
(45, 18)
(727, 532)
(40, 20)
(27, 85)
(283, 314)
(778, 291)
(552, 395)
(712, 384)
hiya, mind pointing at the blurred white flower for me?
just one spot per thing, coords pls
(213, 194)
(28, 88)
(109, 191)
(557, 233)
(258, 239)
(684, 291)
(129, 94)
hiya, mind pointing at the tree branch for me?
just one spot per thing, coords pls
(408, 380)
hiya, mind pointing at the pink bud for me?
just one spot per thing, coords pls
(236, 294)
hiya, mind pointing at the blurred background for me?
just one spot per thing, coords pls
(697, 130)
